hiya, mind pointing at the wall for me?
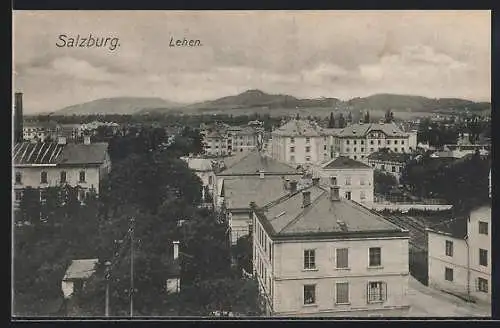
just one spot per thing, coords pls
(480, 241)
(239, 223)
(358, 176)
(67, 288)
(173, 285)
(438, 261)
(289, 276)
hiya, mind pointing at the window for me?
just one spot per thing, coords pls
(308, 149)
(377, 291)
(393, 169)
(482, 285)
(449, 248)
(483, 257)
(355, 157)
(378, 142)
(395, 142)
(348, 195)
(395, 150)
(388, 142)
(355, 142)
(81, 195)
(375, 254)
(362, 195)
(483, 228)
(402, 142)
(308, 140)
(333, 181)
(63, 177)
(342, 293)
(43, 196)
(347, 180)
(43, 177)
(210, 180)
(371, 142)
(347, 142)
(362, 150)
(448, 274)
(82, 176)
(292, 139)
(18, 178)
(362, 181)
(292, 149)
(362, 142)
(19, 195)
(324, 147)
(347, 149)
(355, 149)
(292, 159)
(371, 149)
(309, 294)
(308, 158)
(342, 258)
(270, 252)
(402, 150)
(309, 259)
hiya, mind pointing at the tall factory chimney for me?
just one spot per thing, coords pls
(18, 117)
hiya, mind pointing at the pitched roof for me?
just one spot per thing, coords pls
(359, 130)
(389, 156)
(298, 128)
(288, 217)
(81, 269)
(239, 192)
(50, 153)
(253, 162)
(343, 162)
(456, 227)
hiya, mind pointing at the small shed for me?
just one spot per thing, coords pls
(76, 275)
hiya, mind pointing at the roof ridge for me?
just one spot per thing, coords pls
(304, 210)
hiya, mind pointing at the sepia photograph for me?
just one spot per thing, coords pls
(251, 164)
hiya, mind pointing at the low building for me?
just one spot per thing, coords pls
(317, 254)
(354, 178)
(460, 255)
(388, 161)
(204, 168)
(76, 276)
(43, 165)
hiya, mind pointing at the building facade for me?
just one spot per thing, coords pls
(389, 162)
(460, 256)
(357, 141)
(309, 264)
(43, 165)
(223, 139)
(354, 178)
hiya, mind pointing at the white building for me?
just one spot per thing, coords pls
(354, 178)
(77, 275)
(316, 254)
(460, 255)
(223, 139)
(204, 168)
(357, 141)
(42, 165)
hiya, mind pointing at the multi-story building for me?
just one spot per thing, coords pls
(354, 178)
(357, 141)
(253, 177)
(42, 165)
(301, 142)
(39, 131)
(317, 254)
(388, 161)
(222, 139)
(460, 255)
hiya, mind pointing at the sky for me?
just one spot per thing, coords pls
(306, 54)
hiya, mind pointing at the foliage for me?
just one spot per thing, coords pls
(383, 182)
(366, 118)
(242, 251)
(389, 116)
(331, 121)
(437, 134)
(341, 121)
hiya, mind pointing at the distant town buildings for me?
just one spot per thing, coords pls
(318, 254)
(222, 139)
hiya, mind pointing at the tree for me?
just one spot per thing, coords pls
(383, 182)
(297, 117)
(366, 118)
(243, 253)
(389, 116)
(331, 121)
(349, 117)
(342, 122)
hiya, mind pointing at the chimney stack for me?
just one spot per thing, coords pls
(18, 117)
(315, 182)
(86, 140)
(176, 249)
(334, 193)
(61, 140)
(306, 198)
(293, 186)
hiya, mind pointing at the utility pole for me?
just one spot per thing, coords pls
(107, 276)
(131, 230)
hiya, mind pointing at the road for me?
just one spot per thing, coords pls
(428, 302)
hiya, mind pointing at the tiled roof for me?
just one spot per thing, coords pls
(342, 162)
(389, 156)
(239, 192)
(456, 227)
(81, 269)
(253, 162)
(360, 130)
(26, 153)
(288, 217)
(298, 128)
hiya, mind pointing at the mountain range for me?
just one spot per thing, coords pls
(258, 101)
